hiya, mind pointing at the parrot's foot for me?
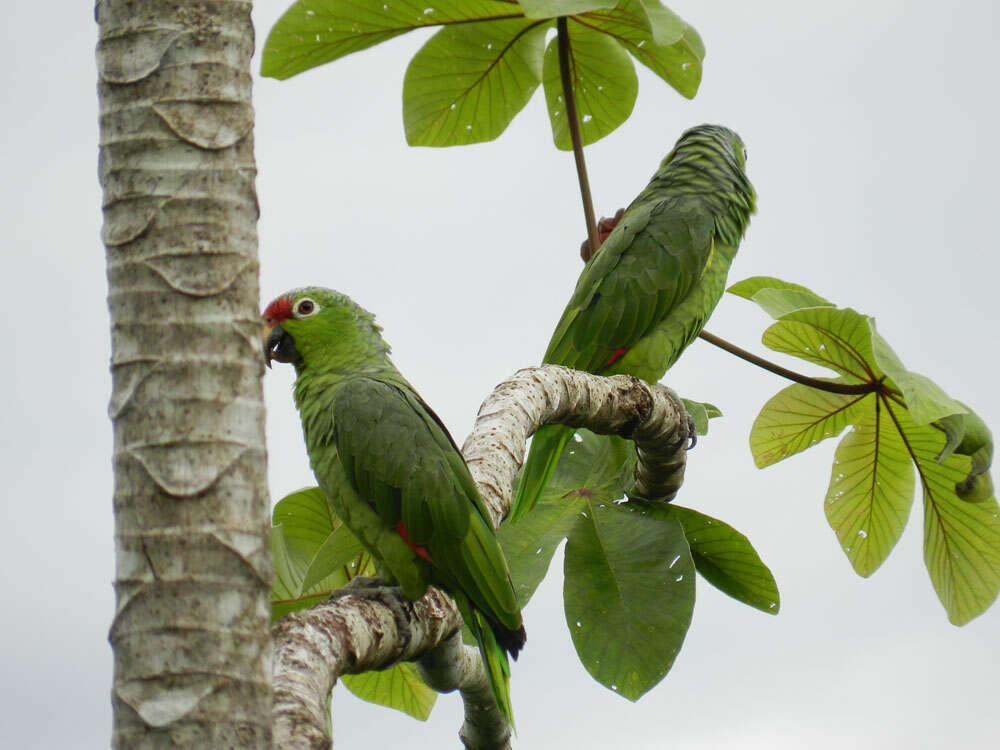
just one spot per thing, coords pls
(690, 432)
(364, 586)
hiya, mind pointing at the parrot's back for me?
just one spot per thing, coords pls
(647, 292)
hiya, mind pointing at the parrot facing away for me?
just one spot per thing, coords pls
(391, 471)
(648, 290)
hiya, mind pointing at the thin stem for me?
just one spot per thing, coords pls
(822, 385)
(574, 131)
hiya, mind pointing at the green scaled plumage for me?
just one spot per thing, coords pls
(392, 472)
(648, 290)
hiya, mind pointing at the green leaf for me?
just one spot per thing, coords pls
(628, 595)
(303, 524)
(871, 490)
(725, 558)
(594, 467)
(924, 398)
(748, 288)
(630, 22)
(953, 427)
(398, 687)
(603, 79)
(468, 81)
(529, 545)
(797, 418)
(306, 521)
(336, 552)
(700, 412)
(830, 337)
(779, 302)
(961, 539)
(977, 442)
(667, 27)
(287, 576)
(553, 8)
(314, 32)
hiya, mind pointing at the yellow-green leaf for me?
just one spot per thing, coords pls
(961, 539)
(871, 489)
(398, 687)
(839, 339)
(797, 418)
(925, 400)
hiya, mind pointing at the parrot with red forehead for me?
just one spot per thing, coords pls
(391, 471)
(648, 290)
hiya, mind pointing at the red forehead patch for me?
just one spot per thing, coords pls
(277, 311)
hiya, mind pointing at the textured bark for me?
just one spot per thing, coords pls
(651, 415)
(190, 632)
(361, 629)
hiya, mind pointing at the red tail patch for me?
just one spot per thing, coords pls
(619, 353)
(406, 538)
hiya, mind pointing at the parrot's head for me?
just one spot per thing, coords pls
(715, 141)
(710, 161)
(316, 327)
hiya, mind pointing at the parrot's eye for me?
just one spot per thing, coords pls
(305, 308)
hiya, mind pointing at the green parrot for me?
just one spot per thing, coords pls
(391, 471)
(648, 290)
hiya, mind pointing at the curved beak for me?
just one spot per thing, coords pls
(279, 346)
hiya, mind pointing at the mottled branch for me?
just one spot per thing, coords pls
(651, 415)
(363, 627)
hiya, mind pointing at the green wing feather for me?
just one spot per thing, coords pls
(401, 460)
(648, 265)
(643, 292)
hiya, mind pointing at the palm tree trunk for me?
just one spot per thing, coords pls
(190, 631)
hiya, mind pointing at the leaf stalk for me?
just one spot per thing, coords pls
(872, 386)
(569, 97)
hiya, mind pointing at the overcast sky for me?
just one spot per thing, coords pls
(872, 130)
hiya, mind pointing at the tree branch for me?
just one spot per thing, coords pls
(651, 415)
(365, 627)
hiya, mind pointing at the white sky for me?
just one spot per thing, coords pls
(872, 133)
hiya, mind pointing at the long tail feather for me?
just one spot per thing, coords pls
(546, 448)
(497, 666)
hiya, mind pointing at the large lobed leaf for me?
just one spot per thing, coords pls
(901, 421)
